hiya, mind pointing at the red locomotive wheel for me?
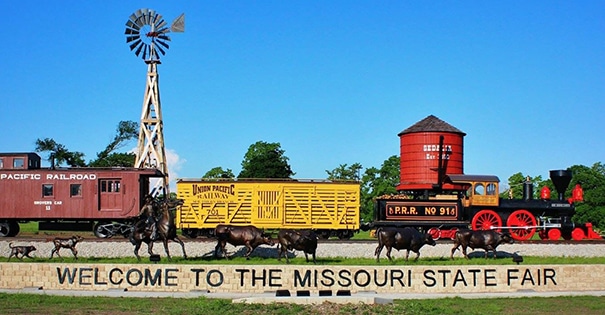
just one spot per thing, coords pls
(519, 220)
(578, 234)
(485, 220)
(554, 234)
(435, 233)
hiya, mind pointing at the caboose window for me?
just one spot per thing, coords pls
(108, 186)
(75, 190)
(1, 163)
(47, 190)
(18, 163)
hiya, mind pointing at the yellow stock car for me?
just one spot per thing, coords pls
(331, 208)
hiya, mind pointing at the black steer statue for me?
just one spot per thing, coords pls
(247, 235)
(484, 239)
(406, 238)
(305, 240)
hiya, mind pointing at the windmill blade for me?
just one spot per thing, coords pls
(161, 25)
(130, 31)
(178, 25)
(133, 18)
(131, 38)
(133, 26)
(133, 45)
(160, 48)
(163, 30)
(139, 20)
(145, 53)
(138, 51)
(161, 42)
(148, 16)
(153, 17)
(164, 37)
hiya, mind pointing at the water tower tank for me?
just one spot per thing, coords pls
(419, 153)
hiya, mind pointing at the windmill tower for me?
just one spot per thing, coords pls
(146, 34)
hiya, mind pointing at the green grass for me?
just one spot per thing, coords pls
(48, 305)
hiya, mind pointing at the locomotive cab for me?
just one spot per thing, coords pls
(482, 190)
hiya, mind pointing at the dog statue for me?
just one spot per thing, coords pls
(24, 251)
(66, 243)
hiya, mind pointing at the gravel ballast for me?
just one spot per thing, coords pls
(89, 248)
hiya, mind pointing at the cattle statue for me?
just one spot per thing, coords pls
(248, 235)
(406, 238)
(485, 239)
(305, 240)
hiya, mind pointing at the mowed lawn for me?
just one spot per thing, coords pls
(48, 304)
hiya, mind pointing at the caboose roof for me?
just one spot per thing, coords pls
(431, 124)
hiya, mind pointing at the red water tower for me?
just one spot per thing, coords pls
(429, 150)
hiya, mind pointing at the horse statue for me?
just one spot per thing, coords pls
(164, 226)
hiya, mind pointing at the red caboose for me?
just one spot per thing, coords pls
(100, 199)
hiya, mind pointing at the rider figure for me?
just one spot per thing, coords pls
(147, 216)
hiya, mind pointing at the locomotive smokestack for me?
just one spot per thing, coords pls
(561, 179)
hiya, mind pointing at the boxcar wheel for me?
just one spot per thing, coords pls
(100, 231)
(14, 228)
(345, 235)
(5, 229)
(190, 233)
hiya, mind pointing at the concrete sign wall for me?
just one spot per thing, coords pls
(260, 279)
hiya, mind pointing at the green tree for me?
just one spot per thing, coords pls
(59, 154)
(126, 131)
(219, 172)
(376, 182)
(592, 181)
(265, 160)
(515, 186)
(345, 172)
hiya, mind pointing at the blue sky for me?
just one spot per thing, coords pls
(333, 82)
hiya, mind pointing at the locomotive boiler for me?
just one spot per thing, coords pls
(435, 195)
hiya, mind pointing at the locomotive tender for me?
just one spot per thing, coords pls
(103, 200)
(435, 195)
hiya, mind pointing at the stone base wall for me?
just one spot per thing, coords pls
(270, 278)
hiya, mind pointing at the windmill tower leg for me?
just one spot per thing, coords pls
(150, 149)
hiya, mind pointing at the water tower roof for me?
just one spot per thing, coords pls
(431, 124)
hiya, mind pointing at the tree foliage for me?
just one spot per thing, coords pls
(592, 180)
(219, 172)
(376, 182)
(265, 160)
(515, 186)
(345, 172)
(126, 131)
(58, 154)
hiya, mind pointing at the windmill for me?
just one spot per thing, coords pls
(147, 36)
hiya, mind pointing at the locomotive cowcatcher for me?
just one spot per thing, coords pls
(436, 196)
(103, 200)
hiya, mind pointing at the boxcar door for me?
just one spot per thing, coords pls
(110, 194)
